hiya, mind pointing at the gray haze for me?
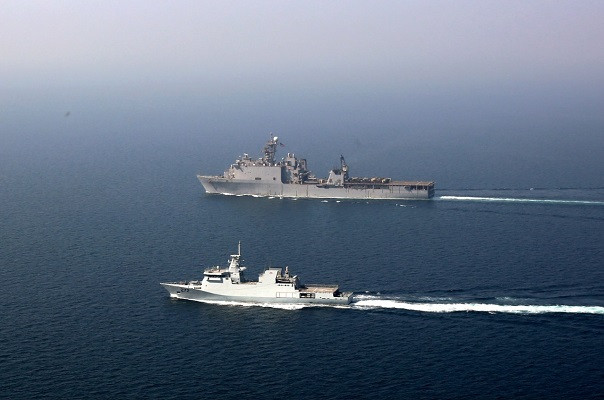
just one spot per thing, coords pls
(470, 94)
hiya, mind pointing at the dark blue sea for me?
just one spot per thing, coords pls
(488, 291)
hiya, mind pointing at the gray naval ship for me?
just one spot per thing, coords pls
(273, 286)
(290, 177)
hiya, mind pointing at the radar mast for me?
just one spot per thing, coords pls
(270, 148)
(344, 167)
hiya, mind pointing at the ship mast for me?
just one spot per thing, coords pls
(270, 148)
(235, 269)
(344, 167)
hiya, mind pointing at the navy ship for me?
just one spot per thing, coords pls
(290, 177)
(274, 285)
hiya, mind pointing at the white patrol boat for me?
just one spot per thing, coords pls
(273, 286)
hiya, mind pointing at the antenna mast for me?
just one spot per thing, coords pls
(270, 148)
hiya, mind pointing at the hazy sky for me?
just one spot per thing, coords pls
(444, 90)
(310, 42)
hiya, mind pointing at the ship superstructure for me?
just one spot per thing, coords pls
(273, 286)
(290, 177)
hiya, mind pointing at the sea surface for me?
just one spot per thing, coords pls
(484, 292)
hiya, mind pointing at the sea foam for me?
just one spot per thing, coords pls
(519, 200)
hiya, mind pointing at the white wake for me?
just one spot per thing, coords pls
(519, 200)
(368, 302)
(476, 307)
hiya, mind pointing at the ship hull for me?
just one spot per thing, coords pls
(187, 292)
(219, 185)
